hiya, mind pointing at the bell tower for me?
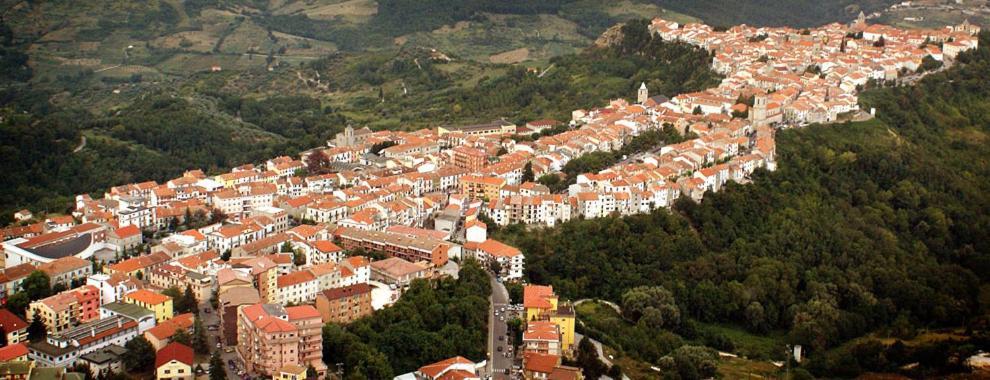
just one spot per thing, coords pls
(643, 93)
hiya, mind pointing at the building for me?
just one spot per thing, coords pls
(138, 266)
(174, 361)
(472, 159)
(509, 258)
(62, 349)
(13, 326)
(125, 238)
(542, 337)
(16, 370)
(542, 304)
(66, 309)
(12, 277)
(344, 305)
(81, 241)
(297, 287)
(159, 304)
(230, 301)
(290, 372)
(271, 336)
(105, 361)
(537, 366)
(457, 367)
(395, 245)
(67, 270)
(113, 287)
(161, 335)
(398, 272)
(14, 352)
(144, 317)
(482, 187)
(497, 127)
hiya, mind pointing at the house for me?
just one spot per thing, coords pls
(395, 245)
(12, 277)
(159, 304)
(457, 367)
(23, 215)
(398, 272)
(161, 334)
(138, 266)
(344, 305)
(105, 361)
(542, 337)
(290, 372)
(13, 326)
(66, 309)
(14, 352)
(16, 370)
(174, 361)
(67, 270)
(297, 287)
(113, 287)
(125, 238)
(509, 258)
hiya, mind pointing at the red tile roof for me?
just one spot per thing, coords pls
(301, 312)
(536, 296)
(435, 369)
(174, 351)
(542, 363)
(147, 297)
(11, 322)
(13, 351)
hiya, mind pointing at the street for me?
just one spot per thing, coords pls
(213, 336)
(498, 328)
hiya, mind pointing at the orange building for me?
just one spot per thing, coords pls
(482, 187)
(469, 158)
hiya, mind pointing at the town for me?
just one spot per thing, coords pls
(247, 266)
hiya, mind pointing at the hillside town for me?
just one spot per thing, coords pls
(269, 252)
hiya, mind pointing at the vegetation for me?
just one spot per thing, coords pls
(140, 355)
(433, 320)
(793, 13)
(868, 227)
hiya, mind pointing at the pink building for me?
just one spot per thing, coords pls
(271, 336)
(88, 299)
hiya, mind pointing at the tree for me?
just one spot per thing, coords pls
(189, 301)
(37, 330)
(182, 336)
(298, 258)
(880, 42)
(18, 303)
(217, 371)
(528, 175)
(37, 285)
(225, 256)
(286, 247)
(140, 355)
(58, 288)
(587, 358)
(317, 162)
(199, 341)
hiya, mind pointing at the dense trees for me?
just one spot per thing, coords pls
(865, 227)
(793, 13)
(140, 355)
(432, 321)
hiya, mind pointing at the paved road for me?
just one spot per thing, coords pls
(498, 363)
(212, 319)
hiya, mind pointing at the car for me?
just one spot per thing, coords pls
(219, 345)
(501, 337)
(499, 349)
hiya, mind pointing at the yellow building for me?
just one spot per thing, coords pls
(56, 312)
(174, 361)
(482, 187)
(159, 304)
(290, 372)
(542, 304)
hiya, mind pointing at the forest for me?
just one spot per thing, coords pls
(432, 321)
(793, 13)
(866, 229)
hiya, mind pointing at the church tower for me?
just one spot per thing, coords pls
(758, 115)
(643, 94)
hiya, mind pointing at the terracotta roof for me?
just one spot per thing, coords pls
(396, 267)
(295, 278)
(11, 322)
(542, 363)
(174, 351)
(435, 369)
(63, 265)
(498, 249)
(13, 351)
(302, 312)
(126, 232)
(536, 296)
(147, 297)
(326, 246)
(168, 328)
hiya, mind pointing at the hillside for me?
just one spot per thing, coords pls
(871, 229)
